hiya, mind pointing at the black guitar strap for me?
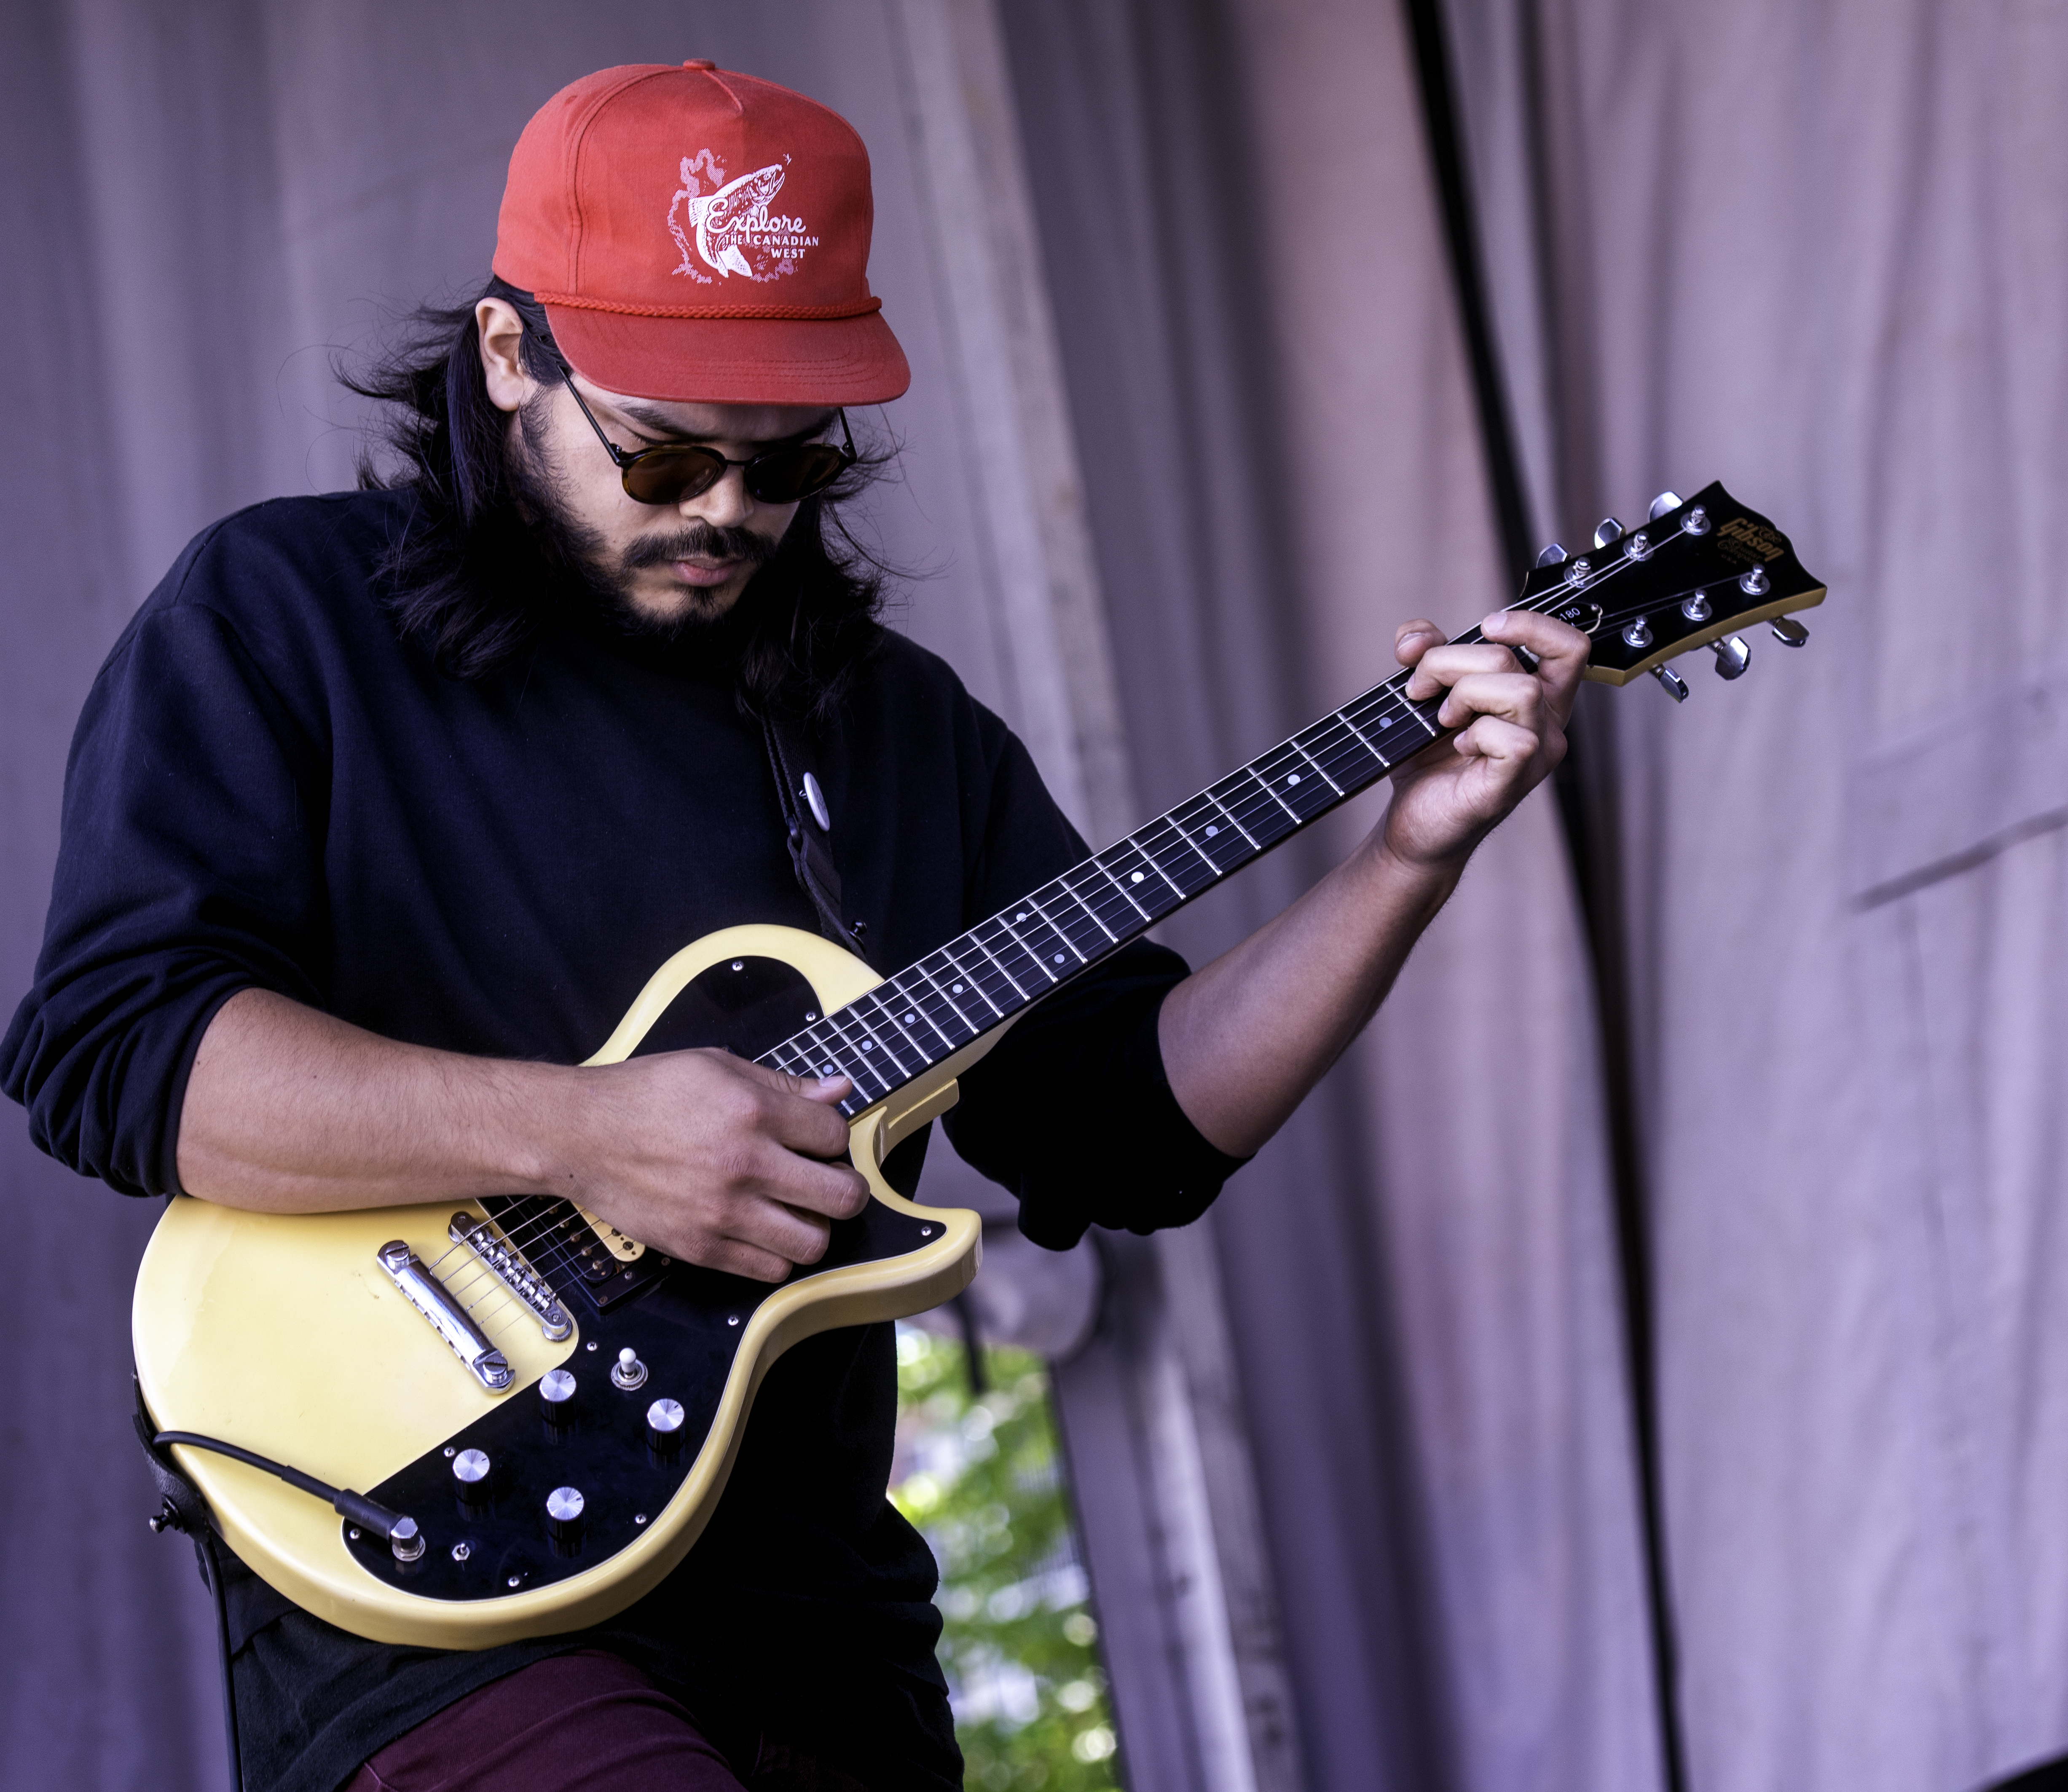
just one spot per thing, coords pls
(809, 826)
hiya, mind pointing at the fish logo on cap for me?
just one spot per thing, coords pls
(731, 229)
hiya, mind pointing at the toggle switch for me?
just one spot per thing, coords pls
(627, 1371)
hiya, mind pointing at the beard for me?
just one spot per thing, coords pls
(585, 576)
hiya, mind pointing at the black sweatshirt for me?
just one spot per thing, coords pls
(270, 789)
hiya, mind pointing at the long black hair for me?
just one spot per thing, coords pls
(468, 576)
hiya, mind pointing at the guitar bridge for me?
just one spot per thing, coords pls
(506, 1263)
(448, 1319)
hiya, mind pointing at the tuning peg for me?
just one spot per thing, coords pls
(1733, 656)
(1789, 631)
(1667, 500)
(1674, 685)
(1551, 555)
(1607, 530)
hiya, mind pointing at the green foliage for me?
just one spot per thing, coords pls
(981, 1478)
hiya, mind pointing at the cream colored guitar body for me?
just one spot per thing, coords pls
(285, 1335)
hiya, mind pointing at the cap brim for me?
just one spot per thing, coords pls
(848, 361)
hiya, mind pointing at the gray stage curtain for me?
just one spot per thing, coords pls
(1281, 464)
(1818, 250)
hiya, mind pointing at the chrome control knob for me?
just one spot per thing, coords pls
(664, 1426)
(471, 1471)
(557, 1396)
(564, 1516)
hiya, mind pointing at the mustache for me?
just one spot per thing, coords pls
(701, 541)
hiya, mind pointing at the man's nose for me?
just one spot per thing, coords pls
(725, 505)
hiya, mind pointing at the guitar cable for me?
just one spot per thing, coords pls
(400, 1530)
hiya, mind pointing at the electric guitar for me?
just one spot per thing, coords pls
(543, 1412)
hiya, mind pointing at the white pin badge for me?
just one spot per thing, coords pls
(817, 798)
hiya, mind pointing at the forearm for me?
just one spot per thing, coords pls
(1247, 1037)
(288, 1109)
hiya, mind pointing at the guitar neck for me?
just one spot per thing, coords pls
(986, 977)
(1694, 570)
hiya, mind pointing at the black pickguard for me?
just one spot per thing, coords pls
(684, 1322)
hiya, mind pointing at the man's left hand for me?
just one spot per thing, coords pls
(1511, 726)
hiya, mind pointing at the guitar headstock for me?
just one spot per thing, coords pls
(1692, 575)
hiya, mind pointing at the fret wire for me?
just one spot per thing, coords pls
(918, 1005)
(788, 1060)
(1317, 764)
(1373, 751)
(1165, 823)
(1043, 957)
(1033, 957)
(1230, 820)
(1001, 971)
(884, 1034)
(861, 1060)
(1185, 834)
(1008, 995)
(1264, 784)
(1112, 888)
(823, 1052)
(1126, 895)
(1127, 920)
(1057, 930)
(1062, 884)
(1127, 889)
(1337, 745)
(1081, 917)
(968, 982)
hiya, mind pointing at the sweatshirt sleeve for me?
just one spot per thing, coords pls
(1072, 1110)
(189, 868)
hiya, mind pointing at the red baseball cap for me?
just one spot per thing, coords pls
(699, 235)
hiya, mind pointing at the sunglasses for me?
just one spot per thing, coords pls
(678, 471)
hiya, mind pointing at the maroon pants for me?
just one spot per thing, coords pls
(586, 1722)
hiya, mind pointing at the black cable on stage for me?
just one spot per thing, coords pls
(1599, 897)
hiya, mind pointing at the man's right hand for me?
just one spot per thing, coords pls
(699, 1154)
(714, 1159)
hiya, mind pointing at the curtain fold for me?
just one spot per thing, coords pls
(1818, 250)
(1282, 464)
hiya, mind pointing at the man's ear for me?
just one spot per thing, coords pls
(502, 333)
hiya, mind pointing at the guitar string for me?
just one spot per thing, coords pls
(1374, 710)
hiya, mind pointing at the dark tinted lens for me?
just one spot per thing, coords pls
(783, 475)
(669, 475)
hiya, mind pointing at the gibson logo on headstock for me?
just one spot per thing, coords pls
(1743, 541)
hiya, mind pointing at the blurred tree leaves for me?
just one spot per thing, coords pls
(982, 1478)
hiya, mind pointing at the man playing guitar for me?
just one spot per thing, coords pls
(386, 802)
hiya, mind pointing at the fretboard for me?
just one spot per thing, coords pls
(978, 980)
